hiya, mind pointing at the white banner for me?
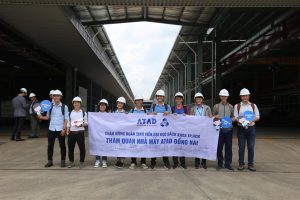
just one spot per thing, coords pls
(142, 135)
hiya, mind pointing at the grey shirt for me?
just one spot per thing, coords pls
(19, 106)
(223, 110)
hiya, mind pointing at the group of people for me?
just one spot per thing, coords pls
(63, 123)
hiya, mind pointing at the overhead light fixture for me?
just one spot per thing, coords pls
(209, 30)
(2, 61)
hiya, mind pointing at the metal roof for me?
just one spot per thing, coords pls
(101, 35)
(231, 24)
(99, 15)
(202, 3)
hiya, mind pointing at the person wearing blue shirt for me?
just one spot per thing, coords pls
(179, 109)
(139, 109)
(160, 107)
(121, 101)
(58, 116)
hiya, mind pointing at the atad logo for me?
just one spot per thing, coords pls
(146, 121)
(164, 122)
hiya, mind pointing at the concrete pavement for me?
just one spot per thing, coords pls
(23, 176)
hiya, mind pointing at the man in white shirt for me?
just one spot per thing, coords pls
(246, 133)
(76, 127)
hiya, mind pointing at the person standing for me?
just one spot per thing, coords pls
(103, 108)
(139, 109)
(58, 116)
(179, 109)
(220, 110)
(199, 109)
(76, 127)
(19, 107)
(33, 117)
(248, 133)
(160, 107)
(121, 101)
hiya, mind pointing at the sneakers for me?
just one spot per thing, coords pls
(241, 167)
(183, 167)
(229, 168)
(251, 168)
(144, 166)
(175, 166)
(81, 165)
(72, 164)
(152, 166)
(167, 166)
(49, 164)
(219, 167)
(97, 164)
(204, 165)
(19, 139)
(62, 164)
(197, 166)
(121, 165)
(132, 166)
(104, 164)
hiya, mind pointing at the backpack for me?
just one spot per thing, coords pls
(154, 106)
(239, 107)
(185, 108)
(132, 110)
(62, 110)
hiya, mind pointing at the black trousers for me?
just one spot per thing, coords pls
(143, 160)
(52, 135)
(197, 161)
(79, 138)
(165, 160)
(18, 126)
(225, 138)
(176, 163)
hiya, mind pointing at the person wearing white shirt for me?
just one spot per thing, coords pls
(76, 128)
(246, 133)
(121, 101)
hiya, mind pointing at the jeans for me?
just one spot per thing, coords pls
(249, 136)
(73, 138)
(104, 158)
(225, 137)
(52, 135)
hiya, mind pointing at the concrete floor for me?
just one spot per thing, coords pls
(22, 175)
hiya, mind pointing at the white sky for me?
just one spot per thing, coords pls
(142, 49)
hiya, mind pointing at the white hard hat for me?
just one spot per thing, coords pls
(51, 92)
(103, 101)
(160, 93)
(198, 94)
(77, 99)
(121, 100)
(244, 91)
(57, 92)
(224, 93)
(32, 95)
(138, 98)
(179, 94)
(23, 90)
